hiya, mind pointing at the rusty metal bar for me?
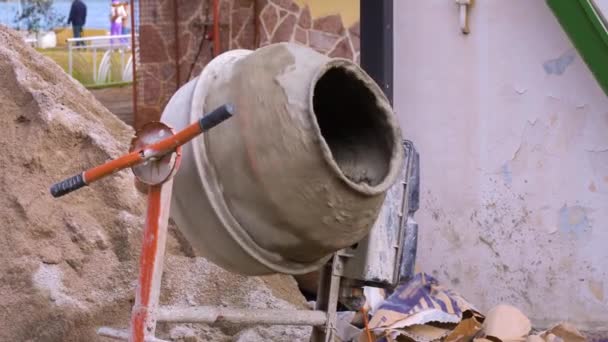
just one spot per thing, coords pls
(211, 314)
(216, 28)
(122, 335)
(327, 299)
(134, 60)
(143, 320)
(177, 45)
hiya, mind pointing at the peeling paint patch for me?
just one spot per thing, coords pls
(597, 289)
(559, 65)
(573, 219)
(520, 91)
(592, 187)
(553, 119)
(507, 174)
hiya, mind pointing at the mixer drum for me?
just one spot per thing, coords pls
(301, 170)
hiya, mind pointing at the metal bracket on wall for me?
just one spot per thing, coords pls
(464, 6)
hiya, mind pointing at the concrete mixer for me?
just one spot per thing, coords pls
(300, 173)
(310, 174)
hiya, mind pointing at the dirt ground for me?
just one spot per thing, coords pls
(118, 100)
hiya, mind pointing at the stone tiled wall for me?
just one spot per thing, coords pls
(157, 68)
(244, 24)
(284, 20)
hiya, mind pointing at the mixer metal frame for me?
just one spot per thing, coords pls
(147, 313)
(154, 159)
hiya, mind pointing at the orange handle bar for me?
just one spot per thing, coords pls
(155, 150)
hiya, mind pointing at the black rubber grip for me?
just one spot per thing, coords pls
(68, 185)
(215, 117)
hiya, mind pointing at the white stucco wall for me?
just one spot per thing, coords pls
(602, 6)
(512, 131)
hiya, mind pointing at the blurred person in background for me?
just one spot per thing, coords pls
(77, 17)
(117, 14)
(126, 21)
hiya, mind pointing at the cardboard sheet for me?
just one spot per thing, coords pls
(414, 309)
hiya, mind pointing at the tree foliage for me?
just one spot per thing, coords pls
(38, 15)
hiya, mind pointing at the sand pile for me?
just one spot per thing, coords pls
(68, 265)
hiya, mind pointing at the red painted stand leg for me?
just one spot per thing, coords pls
(143, 317)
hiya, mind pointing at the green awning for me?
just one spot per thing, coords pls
(587, 28)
